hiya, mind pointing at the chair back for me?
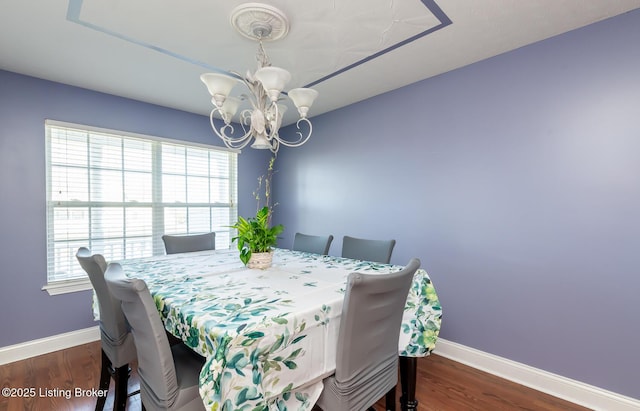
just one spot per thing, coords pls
(370, 324)
(114, 330)
(189, 243)
(368, 250)
(156, 367)
(312, 243)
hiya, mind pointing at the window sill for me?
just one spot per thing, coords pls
(69, 286)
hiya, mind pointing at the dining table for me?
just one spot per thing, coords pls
(270, 336)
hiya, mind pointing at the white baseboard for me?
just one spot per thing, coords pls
(46, 345)
(571, 390)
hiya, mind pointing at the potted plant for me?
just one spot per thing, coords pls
(255, 239)
(256, 236)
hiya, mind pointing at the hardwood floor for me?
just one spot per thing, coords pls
(446, 385)
(443, 385)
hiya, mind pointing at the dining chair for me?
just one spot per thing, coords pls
(118, 349)
(168, 374)
(174, 244)
(312, 243)
(368, 250)
(367, 356)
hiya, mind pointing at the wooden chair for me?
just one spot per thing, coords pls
(368, 250)
(189, 243)
(312, 243)
(168, 374)
(367, 356)
(118, 349)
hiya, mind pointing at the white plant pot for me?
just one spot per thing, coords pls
(260, 261)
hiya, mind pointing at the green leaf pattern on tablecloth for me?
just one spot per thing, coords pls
(251, 334)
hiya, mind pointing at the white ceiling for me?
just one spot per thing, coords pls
(155, 50)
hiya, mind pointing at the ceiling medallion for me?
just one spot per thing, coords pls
(258, 21)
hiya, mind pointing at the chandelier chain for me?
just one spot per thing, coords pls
(262, 57)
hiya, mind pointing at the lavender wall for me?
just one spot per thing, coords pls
(28, 312)
(517, 182)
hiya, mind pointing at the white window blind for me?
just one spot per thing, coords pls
(117, 193)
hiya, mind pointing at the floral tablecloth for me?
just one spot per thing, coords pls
(270, 336)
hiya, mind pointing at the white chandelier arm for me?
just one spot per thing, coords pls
(273, 124)
(275, 145)
(245, 121)
(229, 141)
(301, 137)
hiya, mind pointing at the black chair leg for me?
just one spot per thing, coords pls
(105, 380)
(121, 379)
(390, 399)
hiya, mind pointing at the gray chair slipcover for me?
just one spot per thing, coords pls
(312, 243)
(189, 243)
(368, 250)
(118, 349)
(367, 356)
(168, 374)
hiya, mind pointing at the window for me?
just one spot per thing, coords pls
(117, 193)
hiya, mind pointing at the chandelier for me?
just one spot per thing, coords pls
(260, 123)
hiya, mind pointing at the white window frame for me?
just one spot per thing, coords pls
(60, 286)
